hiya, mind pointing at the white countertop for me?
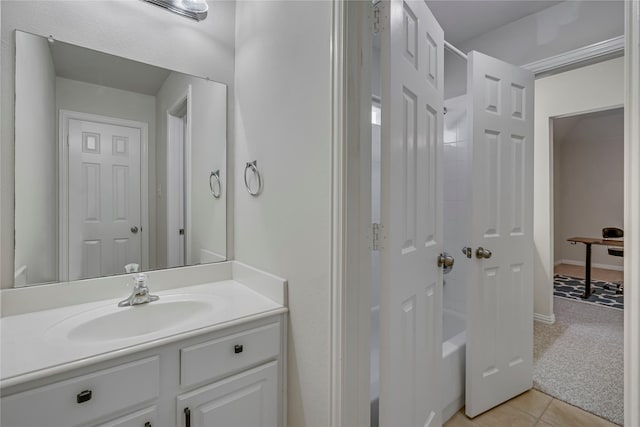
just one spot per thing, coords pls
(31, 348)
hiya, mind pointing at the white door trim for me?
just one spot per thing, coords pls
(597, 51)
(351, 214)
(632, 215)
(63, 183)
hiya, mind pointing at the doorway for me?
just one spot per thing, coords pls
(588, 196)
(412, 180)
(103, 193)
(178, 144)
(588, 192)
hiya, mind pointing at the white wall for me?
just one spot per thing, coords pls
(283, 120)
(36, 151)
(457, 222)
(208, 153)
(590, 165)
(595, 87)
(132, 29)
(566, 26)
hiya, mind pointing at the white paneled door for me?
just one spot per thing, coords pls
(500, 295)
(104, 197)
(412, 49)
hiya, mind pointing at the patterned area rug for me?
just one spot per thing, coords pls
(573, 288)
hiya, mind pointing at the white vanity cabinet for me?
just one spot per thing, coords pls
(144, 418)
(84, 398)
(232, 376)
(246, 399)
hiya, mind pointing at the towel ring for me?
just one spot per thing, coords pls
(253, 166)
(218, 184)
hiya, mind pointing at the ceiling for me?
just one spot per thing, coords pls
(480, 16)
(90, 66)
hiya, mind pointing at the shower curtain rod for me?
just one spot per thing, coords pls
(455, 50)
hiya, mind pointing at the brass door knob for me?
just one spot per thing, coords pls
(446, 261)
(483, 253)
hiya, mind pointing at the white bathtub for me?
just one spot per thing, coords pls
(453, 362)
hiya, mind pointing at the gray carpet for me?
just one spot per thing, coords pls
(579, 359)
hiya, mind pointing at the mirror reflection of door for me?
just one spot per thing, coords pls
(178, 136)
(104, 191)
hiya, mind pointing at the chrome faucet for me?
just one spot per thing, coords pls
(140, 294)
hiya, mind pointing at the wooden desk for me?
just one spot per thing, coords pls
(588, 241)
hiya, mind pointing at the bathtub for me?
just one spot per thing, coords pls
(453, 362)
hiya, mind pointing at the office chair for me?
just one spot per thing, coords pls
(614, 233)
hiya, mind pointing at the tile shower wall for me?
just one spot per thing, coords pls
(456, 202)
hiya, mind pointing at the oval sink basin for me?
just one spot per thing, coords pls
(111, 322)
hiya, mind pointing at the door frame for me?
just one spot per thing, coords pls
(63, 183)
(632, 214)
(350, 322)
(184, 99)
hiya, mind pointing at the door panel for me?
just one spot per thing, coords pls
(412, 52)
(500, 296)
(104, 198)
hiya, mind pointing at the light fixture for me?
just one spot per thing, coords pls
(194, 9)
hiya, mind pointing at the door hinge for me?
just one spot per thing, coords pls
(376, 25)
(376, 229)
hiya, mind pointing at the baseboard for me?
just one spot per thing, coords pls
(543, 318)
(593, 264)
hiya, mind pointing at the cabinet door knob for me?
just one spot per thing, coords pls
(147, 424)
(83, 396)
(238, 348)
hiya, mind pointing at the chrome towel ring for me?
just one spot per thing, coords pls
(216, 188)
(253, 166)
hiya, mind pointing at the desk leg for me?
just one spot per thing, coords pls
(587, 272)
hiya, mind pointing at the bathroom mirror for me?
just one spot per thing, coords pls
(119, 165)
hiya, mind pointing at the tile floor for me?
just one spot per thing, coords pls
(530, 409)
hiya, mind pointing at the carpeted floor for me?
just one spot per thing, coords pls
(579, 359)
(573, 287)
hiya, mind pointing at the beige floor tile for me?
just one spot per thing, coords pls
(543, 424)
(505, 416)
(562, 414)
(532, 402)
(460, 420)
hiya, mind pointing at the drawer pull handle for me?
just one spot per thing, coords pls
(83, 396)
(238, 348)
(187, 417)
(147, 424)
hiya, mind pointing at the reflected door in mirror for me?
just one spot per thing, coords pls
(104, 198)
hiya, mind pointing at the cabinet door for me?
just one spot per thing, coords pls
(143, 418)
(249, 399)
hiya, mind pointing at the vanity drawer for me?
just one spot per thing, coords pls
(83, 399)
(213, 359)
(143, 418)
